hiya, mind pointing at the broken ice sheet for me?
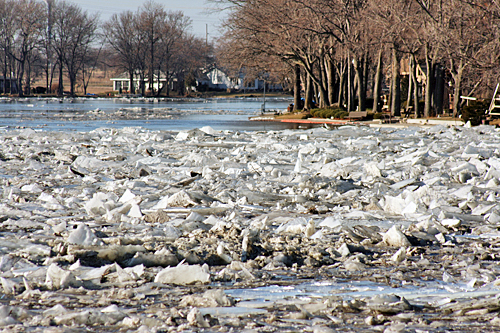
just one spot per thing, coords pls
(92, 220)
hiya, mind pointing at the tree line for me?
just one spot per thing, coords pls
(341, 50)
(57, 38)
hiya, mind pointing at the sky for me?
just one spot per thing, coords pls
(197, 10)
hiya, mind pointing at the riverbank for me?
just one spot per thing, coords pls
(300, 119)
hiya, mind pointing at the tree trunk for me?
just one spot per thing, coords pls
(20, 79)
(143, 86)
(28, 78)
(315, 94)
(415, 87)
(396, 84)
(60, 90)
(296, 88)
(439, 89)
(324, 101)
(131, 86)
(410, 87)
(359, 72)
(457, 91)
(350, 85)
(377, 86)
(309, 92)
(158, 81)
(169, 78)
(151, 69)
(72, 81)
(365, 82)
(429, 84)
(331, 81)
(342, 83)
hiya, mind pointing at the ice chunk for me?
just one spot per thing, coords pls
(465, 167)
(394, 205)
(6, 317)
(482, 209)
(184, 274)
(182, 136)
(310, 228)
(463, 192)
(9, 286)
(195, 217)
(100, 203)
(208, 130)
(195, 318)
(179, 199)
(403, 183)
(344, 250)
(472, 151)
(210, 298)
(373, 170)
(32, 188)
(82, 235)
(330, 222)
(451, 223)
(89, 163)
(95, 273)
(221, 253)
(127, 196)
(54, 311)
(395, 237)
(399, 256)
(58, 278)
(135, 211)
(295, 226)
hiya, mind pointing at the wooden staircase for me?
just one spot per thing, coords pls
(494, 109)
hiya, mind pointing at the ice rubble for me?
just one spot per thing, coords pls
(136, 209)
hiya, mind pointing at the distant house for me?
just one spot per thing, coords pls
(8, 85)
(217, 79)
(121, 83)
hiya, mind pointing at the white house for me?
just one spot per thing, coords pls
(121, 82)
(216, 79)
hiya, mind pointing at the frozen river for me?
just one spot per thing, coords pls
(155, 216)
(86, 114)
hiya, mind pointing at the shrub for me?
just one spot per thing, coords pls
(475, 112)
(330, 112)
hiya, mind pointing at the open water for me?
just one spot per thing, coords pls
(86, 114)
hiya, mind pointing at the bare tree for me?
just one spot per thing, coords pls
(468, 32)
(120, 32)
(74, 32)
(187, 56)
(7, 32)
(172, 46)
(29, 31)
(150, 19)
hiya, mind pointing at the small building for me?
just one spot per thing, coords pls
(121, 83)
(217, 79)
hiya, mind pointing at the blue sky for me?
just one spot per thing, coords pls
(197, 10)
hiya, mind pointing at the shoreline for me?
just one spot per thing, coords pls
(370, 123)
